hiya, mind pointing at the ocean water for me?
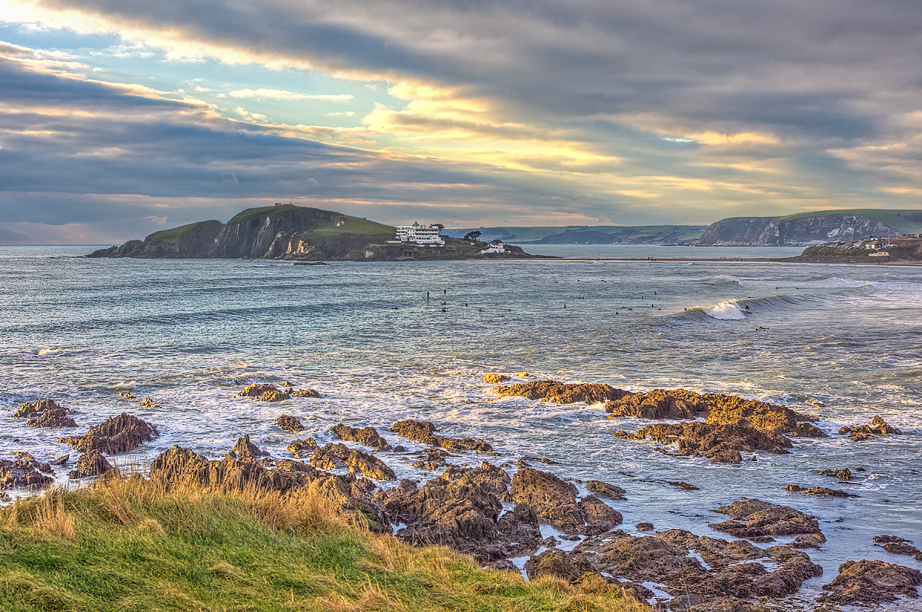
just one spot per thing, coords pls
(841, 342)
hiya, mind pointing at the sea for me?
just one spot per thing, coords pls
(386, 341)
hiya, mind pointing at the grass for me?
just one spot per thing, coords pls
(132, 544)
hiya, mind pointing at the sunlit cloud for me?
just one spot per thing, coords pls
(277, 94)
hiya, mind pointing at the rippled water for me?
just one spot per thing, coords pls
(843, 342)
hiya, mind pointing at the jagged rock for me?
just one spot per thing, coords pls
(759, 520)
(559, 564)
(333, 456)
(303, 449)
(495, 379)
(721, 443)
(719, 409)
(544, 460)
(458, 514)
(60, 459)
(431, 459)
(424, 431)
(263, 392)
(519, 528)
(289, 423)
(126, 395)
(599, 516)
(871, 583)
(34, 409)
(246, 450)
(604, 489)
(52, 417)
(306, 393)
(114, 436)
(561, 393)
(809, 540)
(488, 476)
(555, 502)
(91, 463)
(822, 491)
(22, 473)
(366, 436)
(148, 403)
(843, 474)
(878, 427)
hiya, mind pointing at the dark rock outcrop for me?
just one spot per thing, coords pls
(114, 436)
(561, 393)
(424, 431)
(303, 449)
(603, 489)
(289, 423)
(495, 379)
(721, 443)
(24, 472)
(45, 413)
(841, 474)
(898, 546)
(246, 450)
(871, 583)
(554, 562)
(333, 456)
(366, 436)
(91, 463)
(759, 520)
(878, 427)
(821, 491)
(306, 393)
(555, 502)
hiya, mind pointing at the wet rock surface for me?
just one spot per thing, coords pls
(759, 520)
(334, 455)
(424, 431)
(24, 473)
(306, 393)
(898, 546)
(722, 443)
(366, 436)
(559, 564)
(561, 393)
(870, 583)
(114, 436)
(821, 491)
(878, 427)
(289, 423)
(431, 459)
(91, 463)
(841, 474)
(487, 476)
(554, 501)
(603, 489)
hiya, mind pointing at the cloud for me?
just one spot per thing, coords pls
(278, 94)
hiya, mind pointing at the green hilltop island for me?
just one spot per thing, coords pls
(299, 233)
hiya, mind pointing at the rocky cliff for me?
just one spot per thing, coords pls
(795, 230)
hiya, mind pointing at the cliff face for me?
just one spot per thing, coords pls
(278, 232)
(792, 231)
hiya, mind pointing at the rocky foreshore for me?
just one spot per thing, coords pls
(536, 520)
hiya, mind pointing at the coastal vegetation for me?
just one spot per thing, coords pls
(134, 544)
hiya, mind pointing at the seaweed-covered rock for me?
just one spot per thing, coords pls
(871, 583)
(335, 455)
(561, 393)
(424, 431)
(114, 436)
(603, 489)
(366, 436)
(263, 392)
(759, 520)
(22, 473)
(303, 449)
(289, 423)
(91, 463)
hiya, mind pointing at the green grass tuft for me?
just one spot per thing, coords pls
(130, 544)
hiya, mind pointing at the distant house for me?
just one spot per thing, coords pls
(424, 235)
(496, 246)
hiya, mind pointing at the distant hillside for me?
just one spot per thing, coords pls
(806, 229)
(289, 232)
(592, 234)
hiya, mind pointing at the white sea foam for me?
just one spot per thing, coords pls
(131, 384)
(49, 351)
(726, 311)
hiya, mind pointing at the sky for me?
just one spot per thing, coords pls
(119, 118)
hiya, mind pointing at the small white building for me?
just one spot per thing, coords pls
(427, 235)
(496, 246)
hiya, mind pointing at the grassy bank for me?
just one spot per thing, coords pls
(129, 544)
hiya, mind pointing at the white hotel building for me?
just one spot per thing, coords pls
(427, 235)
